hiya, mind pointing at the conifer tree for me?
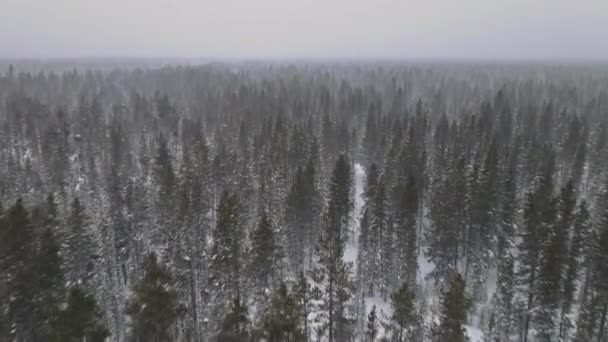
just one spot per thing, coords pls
(282, 320)
(406, 231)
(404, 316)
(225, 266)
(81, 320)
(601, 270)
(539, 216)
(80, 246)
(553, 261)
(578, 242)
(18, 274)
(235, 326)
(455, 304)
(265, 254)
(48, 284)
(331, 249)
(154, 306)
(503, 306)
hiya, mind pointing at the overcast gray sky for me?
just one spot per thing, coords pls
(305, 28)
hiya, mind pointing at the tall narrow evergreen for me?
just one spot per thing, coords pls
(80, 246)
(282, 321)
(18, 273)
(265, 254)
(154, 307)
(539, 217)
(225, 267)
(404, 318)
(503, 302)
(331, 249)
(235, 326)
(578, 245)
(455, 304)
(81, 320)
(552, 267)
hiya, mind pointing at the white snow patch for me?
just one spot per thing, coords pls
(475, 335)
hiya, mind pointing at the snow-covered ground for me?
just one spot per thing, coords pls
(425, 266)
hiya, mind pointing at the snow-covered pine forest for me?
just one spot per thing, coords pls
(370, 201)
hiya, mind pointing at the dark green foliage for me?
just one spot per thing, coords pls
(578, 245)
(225, 266)
(154, 306)
(553, 263)
(502, 315)
(330, 251)
(17, 256)
(405, 318)
(80, 253)
(282, 320)
(48, 282)
(455, 305)
(235, 326)
(80, 321)
(265, 254)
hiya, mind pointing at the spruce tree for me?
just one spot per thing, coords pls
(265, 254)
(49, 284)
(330, 250)
(80, 247)
(503, 306)
(16, 261)
(235, 326)
(455, 304)
(81, 320)
(404, 319)
(225, 254)
(154, 306)
(553, 261)
(578, 242)
(539, 217)
(282, 320)
(601, 270)
(406, 209)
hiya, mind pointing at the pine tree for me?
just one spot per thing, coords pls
(48, 282)
(503, 309)
(81, 320)
(382, 232)
(282, 320)
(330, 251)
(265, 254)
(368, 260)
(80, 247)
(154, 306)
(225, 266)
(165, 180)
(552, 266)
(301, 293)
(405, 226)
(580, 235)
(404, 312)
(601, 269)
(18, 274)
(539, 216)
(448, 214)
(235, 326)
(455, 304)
